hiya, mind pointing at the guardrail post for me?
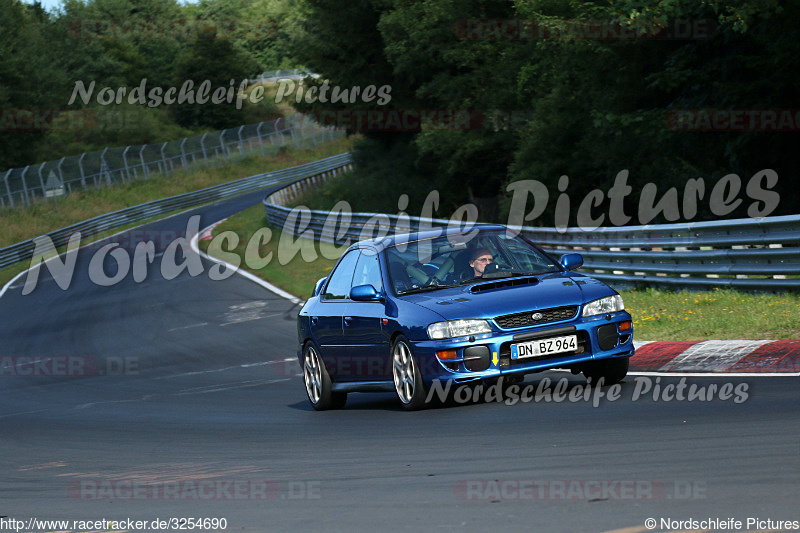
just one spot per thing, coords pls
(104, 167)
(144, 165)
(164, 158)
(80, 167)
(125, 162)
(61, 176)
(222, 143)
(260, 140)
(8, 187)
(295, 138)
(25, 186)
(41, 181)
(184, 164)
(203, 148)
(241, 141)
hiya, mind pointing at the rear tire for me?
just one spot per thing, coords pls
(612, 370)
(318, 382)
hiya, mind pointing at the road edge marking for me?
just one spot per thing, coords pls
(252, 277)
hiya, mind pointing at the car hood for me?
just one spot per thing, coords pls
(493, 298)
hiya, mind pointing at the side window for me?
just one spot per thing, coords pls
(339, 284)
(368, 271)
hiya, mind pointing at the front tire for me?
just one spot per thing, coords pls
(318, 382)
(612, 370)
(407, 376)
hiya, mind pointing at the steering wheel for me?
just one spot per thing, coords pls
(417, 274)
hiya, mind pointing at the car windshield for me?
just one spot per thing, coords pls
(461, 259)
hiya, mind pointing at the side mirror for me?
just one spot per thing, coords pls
(318, 286)
(571, 261)
(364, 293)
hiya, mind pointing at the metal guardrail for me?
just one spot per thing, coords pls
(111, 166)
(752, 254)
(24, 250)
(275, 75)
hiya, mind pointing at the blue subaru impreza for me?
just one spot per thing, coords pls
(399, 313)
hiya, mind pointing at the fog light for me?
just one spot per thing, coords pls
(607, 336)
(625, 326)
(447, 354)
(477, 358)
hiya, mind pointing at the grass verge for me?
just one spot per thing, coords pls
(717, 314)
(294, 265)
(23, 223)
(657, 314)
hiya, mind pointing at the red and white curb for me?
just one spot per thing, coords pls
(701, 358)
(206, 234)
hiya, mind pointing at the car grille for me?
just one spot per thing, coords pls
(519, 320)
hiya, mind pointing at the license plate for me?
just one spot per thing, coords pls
(544, 347)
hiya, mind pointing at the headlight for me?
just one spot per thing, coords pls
(609, 304)
(458, 328)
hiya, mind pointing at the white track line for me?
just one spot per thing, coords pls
(267, 285)
(718, 374)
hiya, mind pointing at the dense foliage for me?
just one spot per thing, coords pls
(118, 44)
(553, 88)
(561, 101)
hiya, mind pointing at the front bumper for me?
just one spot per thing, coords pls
(488, 355)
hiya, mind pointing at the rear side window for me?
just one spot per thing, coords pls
(368, 271)
(341, 279)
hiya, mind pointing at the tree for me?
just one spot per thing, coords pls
(219, 63)
(28, 82)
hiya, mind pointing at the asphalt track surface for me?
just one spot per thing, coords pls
(207, 414)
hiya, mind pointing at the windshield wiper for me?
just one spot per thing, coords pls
(424, 288)
(512, 274)
(502, 275)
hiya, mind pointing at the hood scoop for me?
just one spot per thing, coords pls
(503, 283)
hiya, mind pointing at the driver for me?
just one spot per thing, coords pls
(478, 261)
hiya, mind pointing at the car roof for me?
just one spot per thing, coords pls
(414, 236)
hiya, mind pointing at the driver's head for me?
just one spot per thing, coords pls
(478, 260)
